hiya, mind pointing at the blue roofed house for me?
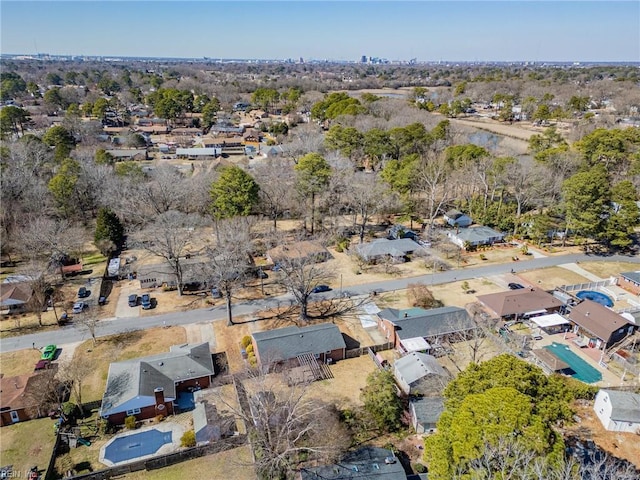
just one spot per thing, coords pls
(456, 218)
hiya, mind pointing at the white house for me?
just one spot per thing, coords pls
(618, 411)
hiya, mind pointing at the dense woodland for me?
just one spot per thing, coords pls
(359, 156)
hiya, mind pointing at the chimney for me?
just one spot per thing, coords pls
(160, 406)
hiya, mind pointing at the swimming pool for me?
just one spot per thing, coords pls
(128, 447)
(581, 370)
(601, 298)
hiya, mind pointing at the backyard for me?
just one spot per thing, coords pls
(27, 444)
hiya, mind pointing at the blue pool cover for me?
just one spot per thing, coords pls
(137, 445)
(601, 298)
(581, 369)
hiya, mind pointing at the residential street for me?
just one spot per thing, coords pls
(71, 333)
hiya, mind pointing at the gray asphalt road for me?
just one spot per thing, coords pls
(111, 326)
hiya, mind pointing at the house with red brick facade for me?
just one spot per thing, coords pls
(149, 386)
(630, 281)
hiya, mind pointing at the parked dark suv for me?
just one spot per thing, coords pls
(146, 301)
(133, 300)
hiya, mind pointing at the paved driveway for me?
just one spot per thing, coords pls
(122, 307)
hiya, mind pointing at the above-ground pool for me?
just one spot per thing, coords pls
(129, 447)
(601, 298)
(581, 369)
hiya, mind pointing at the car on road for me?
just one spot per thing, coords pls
(49, 352)
(79, 307)
(321, 288)
(133, 300)
(515, 286)
(83, 292)
(145, 301)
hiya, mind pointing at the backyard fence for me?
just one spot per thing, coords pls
(164, 460)
(589, 285)
(357, 352)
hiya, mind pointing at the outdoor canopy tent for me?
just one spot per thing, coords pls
(552, 320)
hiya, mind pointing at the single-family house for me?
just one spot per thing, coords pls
(456, 218)
(383, 248)
(598, 326)
(14, 296)
(425, 413)
(618, 411)
(420, 374)
(417, 329)
(194, 270)
(400, 231)
(524, 302)
(149, 386)
(128, 154)
(198, 153)
(323, 341)
(630, 281)
(367, 463)
(303, 251)
(23, 397)
(475, 236)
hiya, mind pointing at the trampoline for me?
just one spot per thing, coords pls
(601, 298)
(130, 447)
(581, 370)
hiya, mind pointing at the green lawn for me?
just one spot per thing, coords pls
(27, 444)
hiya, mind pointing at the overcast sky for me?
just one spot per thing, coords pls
(337, 30)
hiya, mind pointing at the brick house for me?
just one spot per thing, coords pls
(630, 281)
(149, 386)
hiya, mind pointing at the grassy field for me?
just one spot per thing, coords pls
(549, 278)
(608, 269)
(27, 444)
(233, 464)
(19, 362)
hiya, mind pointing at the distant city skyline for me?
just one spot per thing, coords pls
(536, 31)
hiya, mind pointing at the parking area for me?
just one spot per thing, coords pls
(122, 308)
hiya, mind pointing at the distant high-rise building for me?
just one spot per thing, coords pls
(363, 59)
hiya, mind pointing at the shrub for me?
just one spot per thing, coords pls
(188, 439)
(249, 349)
(130, 422)
(419, 468)
(483, 256)
(158, 418)
(246, 341)
(420, 296)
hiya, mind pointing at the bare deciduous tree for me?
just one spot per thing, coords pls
(169, 237)
(74, 372)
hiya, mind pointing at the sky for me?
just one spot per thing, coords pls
(507, 30)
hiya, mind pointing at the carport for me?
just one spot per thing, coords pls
(551, 324)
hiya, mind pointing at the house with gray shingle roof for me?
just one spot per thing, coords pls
(475, 236)
(425, 413)
(148, 386)
(383, 248)
(405, 327)
(281, 344)
(420, 374)
(618, 411)
(456, 218)
(370, 463)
